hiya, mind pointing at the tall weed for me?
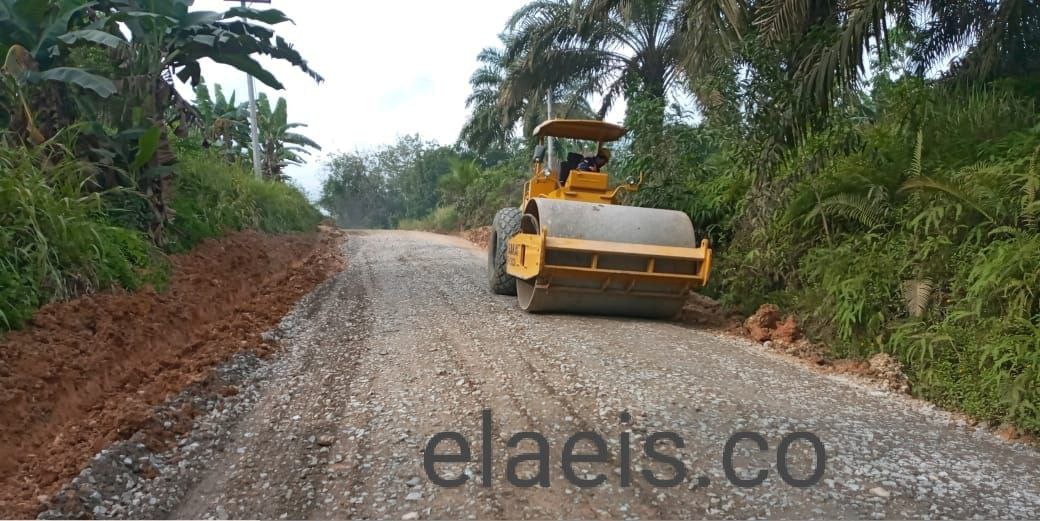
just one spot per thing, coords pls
(55, 239)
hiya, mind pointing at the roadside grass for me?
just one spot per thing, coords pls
(281, 207)
(60, 239)
(443, 219)
(55, 238)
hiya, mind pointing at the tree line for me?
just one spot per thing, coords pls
(414, 183)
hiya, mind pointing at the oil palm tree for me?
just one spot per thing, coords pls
(486, 124)
(551, 43)
(1001, 38)
(826, 44)
(548, 50)
(493, 118)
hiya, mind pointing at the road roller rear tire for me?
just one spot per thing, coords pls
(503, 228)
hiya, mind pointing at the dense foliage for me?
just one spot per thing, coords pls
(55, 238)
(59, 240)
(103, 166)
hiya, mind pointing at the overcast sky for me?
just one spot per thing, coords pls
(391, 67)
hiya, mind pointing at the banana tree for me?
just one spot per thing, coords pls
(35, 65)
(185, 37)
(156, 41)
(37, 30)
(224, 122)
(144, 45)
(280, 146)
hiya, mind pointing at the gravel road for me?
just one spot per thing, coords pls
(406, 342)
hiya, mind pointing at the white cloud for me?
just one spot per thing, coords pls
(391, 67)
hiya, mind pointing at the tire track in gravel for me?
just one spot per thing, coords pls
(580, 398)
(509, 396)
(400, 355)
(536, 387)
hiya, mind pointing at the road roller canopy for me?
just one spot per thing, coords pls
(586, 129)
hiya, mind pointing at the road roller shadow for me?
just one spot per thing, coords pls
(698, 313)
(594, 317)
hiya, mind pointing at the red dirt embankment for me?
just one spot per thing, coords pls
(88, 371)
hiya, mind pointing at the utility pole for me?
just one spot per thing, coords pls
(254, 129)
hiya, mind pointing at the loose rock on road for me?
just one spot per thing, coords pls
(406, 342)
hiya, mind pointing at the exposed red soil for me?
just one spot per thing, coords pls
(703, 311)
(88, 372)
(761, 325)
(787, 337)
(766, 324)
(480, 236)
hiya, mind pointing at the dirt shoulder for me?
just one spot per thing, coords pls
(88, 372)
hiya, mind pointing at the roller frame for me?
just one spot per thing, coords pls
(527, 258)
(605, 290)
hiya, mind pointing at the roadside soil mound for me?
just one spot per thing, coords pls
(703, 311)
(88, 372)
(480, 236)
(784, 334)
(767, 324)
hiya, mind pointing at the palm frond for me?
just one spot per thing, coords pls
(779, 19)
(915, 160)
(864, 210)
(917, 295)
(926, 183)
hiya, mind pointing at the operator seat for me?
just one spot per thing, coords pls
(573, 159)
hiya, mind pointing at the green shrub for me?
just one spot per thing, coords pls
(213, 197)
(852, 290)
(488, 191)
(989, 368)
(442, 219)
(56, 240)
(412, 224)
(281, 207)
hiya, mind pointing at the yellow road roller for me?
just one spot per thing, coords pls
(571, 246)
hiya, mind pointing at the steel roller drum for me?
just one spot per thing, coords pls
(601, 294)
